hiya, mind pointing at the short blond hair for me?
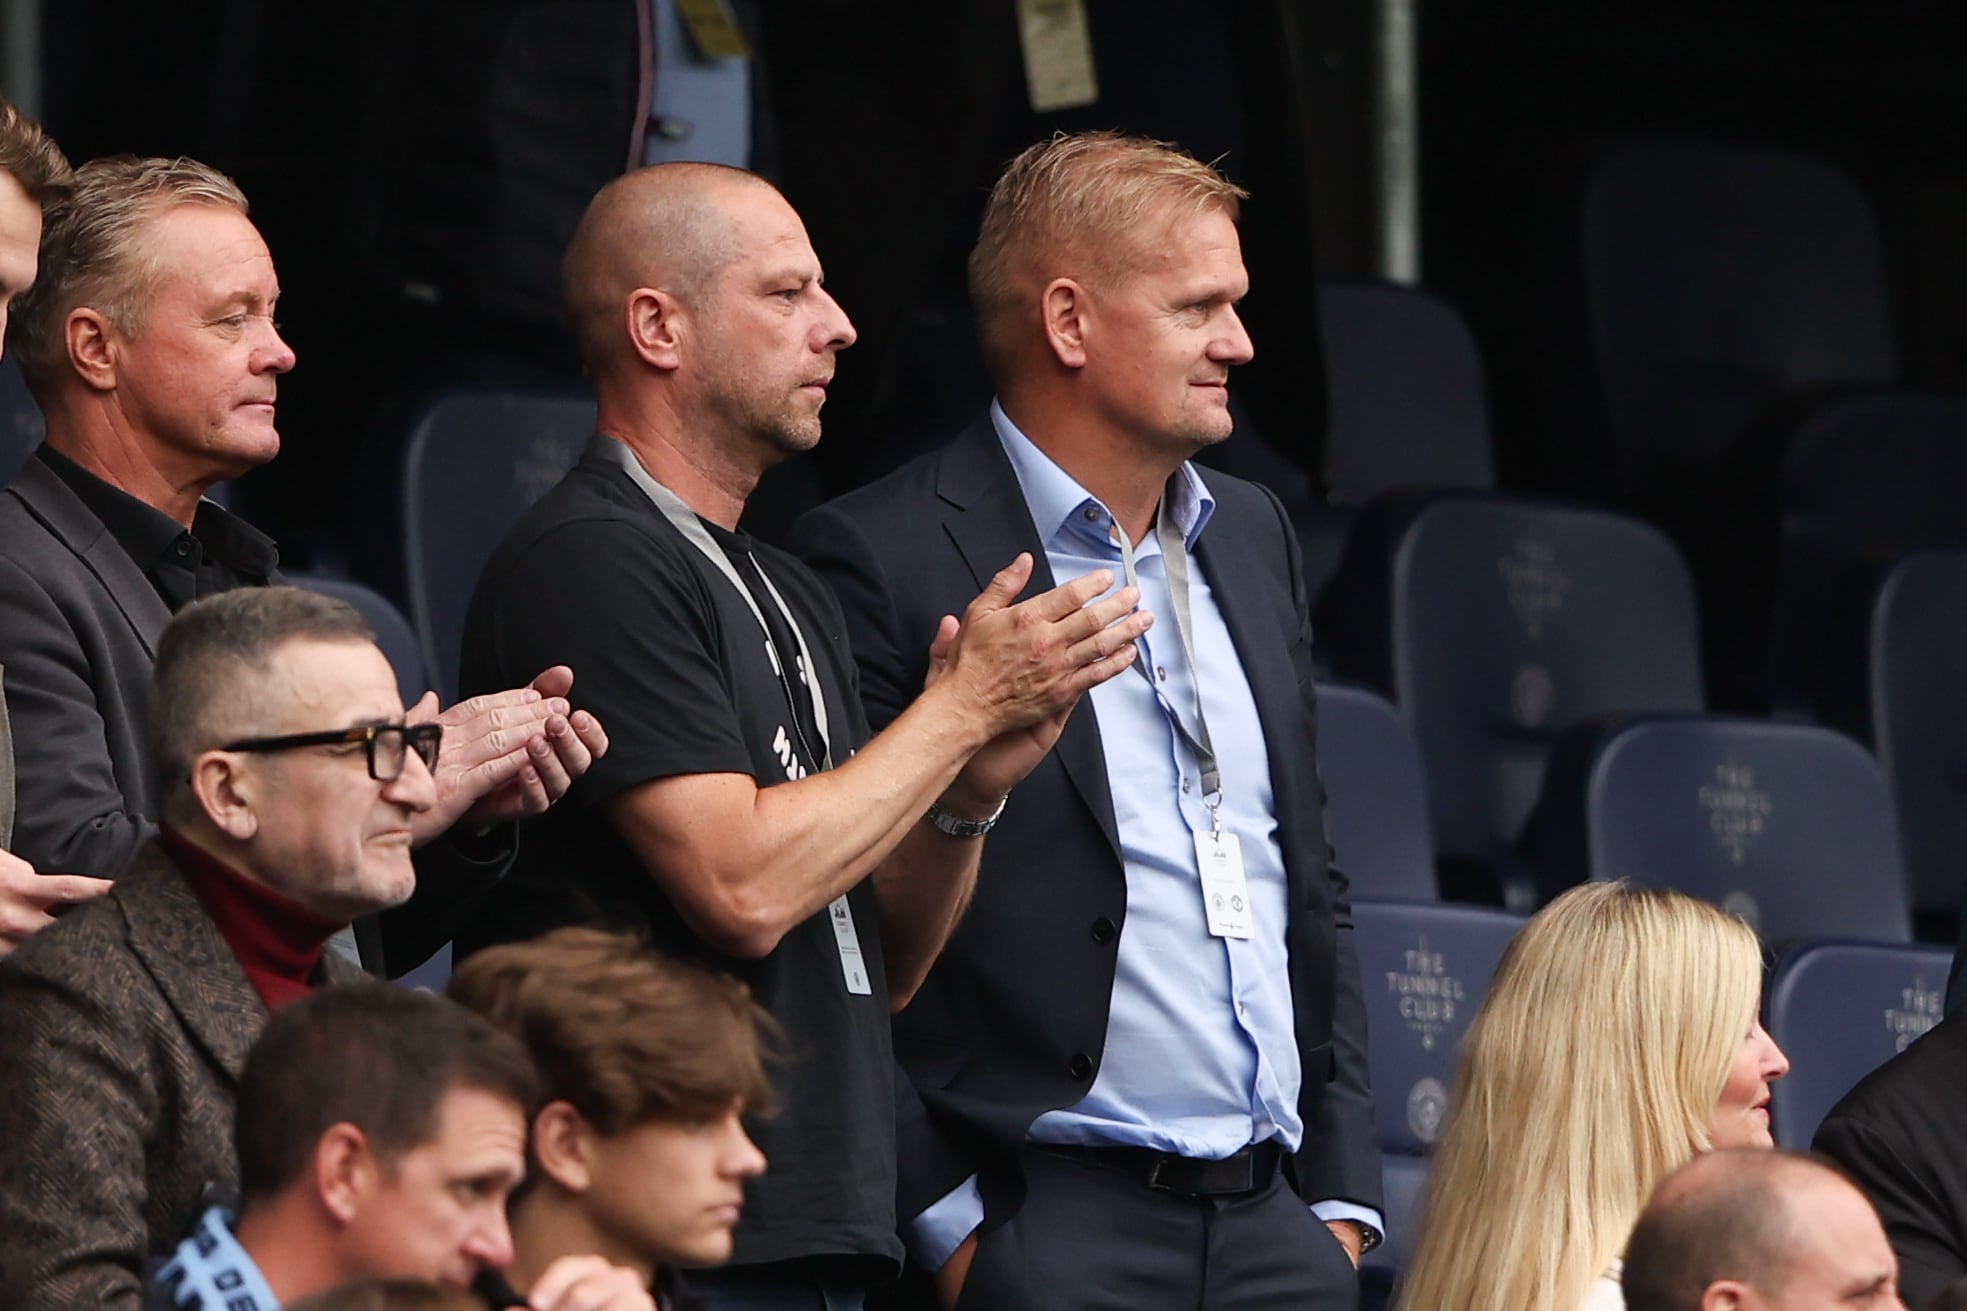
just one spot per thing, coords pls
(1073, 206)
(93, 251)
(1591, 1071)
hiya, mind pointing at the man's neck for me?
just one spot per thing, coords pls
(712, 477)
(295, 1252)
(1113, 466)
(119, 459)
(547, 1224)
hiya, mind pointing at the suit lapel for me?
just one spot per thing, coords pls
(989, 523)
(1263, 648)
(180, 946)
(63, 514)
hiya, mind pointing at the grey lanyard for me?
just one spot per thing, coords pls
(685, 521)
(1174, 559)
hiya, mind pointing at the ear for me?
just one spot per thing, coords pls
(654, 329)
(1729, 1295)
(225, 790)
(91, 340)
(1062, 307)
(345, 1171)
(563, 1145)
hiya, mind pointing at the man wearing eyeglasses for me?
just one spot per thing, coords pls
(149, 342)
(291, 792)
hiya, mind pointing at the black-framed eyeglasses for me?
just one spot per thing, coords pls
(388, 745)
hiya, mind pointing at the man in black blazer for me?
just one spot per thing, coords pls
(148, 340)
(1139, 1068)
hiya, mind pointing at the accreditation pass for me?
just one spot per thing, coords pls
(1225, 894)
(852, 964)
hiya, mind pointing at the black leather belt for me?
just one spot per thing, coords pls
(1185, 1176)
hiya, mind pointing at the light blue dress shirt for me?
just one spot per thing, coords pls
(1201, 1054)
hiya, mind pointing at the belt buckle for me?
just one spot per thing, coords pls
(1154, 1176)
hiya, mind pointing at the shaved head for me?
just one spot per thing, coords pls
(1787, 1228)
(666, 227)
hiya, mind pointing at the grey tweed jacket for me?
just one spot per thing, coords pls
(123, 1032)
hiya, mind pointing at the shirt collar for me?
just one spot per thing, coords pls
(1055, 497)
(148, 535)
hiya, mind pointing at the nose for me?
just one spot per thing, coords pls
(835, 323)
(743, 1160)
(1234, 346)
(1775, 1064)
(490, 1241)
(276, 356)
(414, 788)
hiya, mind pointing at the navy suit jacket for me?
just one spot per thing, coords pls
(1011, 1022)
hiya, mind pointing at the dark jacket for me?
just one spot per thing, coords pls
(1012, 1020)
(124, 1029)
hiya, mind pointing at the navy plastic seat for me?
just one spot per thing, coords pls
(1406, 400)
(1919, 716)
(1425, 969)
(21, 426)
(1839, 1010)
(1375, 797)
(1716, 279)
(393, 632)
(474, 462)
(1494, 623)
(1790, 826)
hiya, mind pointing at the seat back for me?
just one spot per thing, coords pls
(1375, 797)
(1839, 1010)
(393, 633)
(1919, 716)
(1406, 401)
(1788, 825)
(1494, 623)
(1425, 969)
(474, 462)
(1717, 277)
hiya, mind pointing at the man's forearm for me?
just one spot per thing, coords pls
(922, 888)
(745, 864)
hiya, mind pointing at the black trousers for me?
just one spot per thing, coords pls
(1091, 1238)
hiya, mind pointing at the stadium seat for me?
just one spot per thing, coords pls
(1494, 623)
(392, 630)
(1864, 481)
(1406, 400)
(1839, 1010)
(1375, 798)
(474, 461)
(1714, 279)
(20, 421)
(1425, 968)
(1919, 716)
(1790, 826)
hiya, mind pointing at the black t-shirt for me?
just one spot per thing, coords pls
(666, 652)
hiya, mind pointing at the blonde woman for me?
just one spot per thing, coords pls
(1619, 1038)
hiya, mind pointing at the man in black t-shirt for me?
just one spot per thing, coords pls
(743, 815)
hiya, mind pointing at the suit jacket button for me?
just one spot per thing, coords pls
(1081, 1067)
(1103, 930)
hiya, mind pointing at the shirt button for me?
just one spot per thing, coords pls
(1104, 930)
(183, 547)
(1241, 1010)
(1081, 1065)
(1184, 787)
(1161, 672)
(1092, 515)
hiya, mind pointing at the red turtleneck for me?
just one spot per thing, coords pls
(278, 941)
